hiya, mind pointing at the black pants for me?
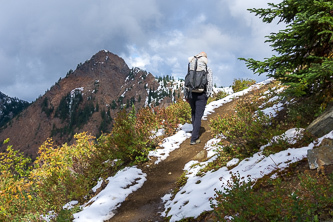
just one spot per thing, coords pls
(198, 104)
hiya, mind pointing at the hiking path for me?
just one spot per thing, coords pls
(146, 204)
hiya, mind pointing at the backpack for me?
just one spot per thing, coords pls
(195, 81)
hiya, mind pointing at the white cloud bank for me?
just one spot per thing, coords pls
(42, 40)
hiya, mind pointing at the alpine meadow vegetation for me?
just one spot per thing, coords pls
(67, 172)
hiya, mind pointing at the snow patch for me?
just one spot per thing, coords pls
(102, 206)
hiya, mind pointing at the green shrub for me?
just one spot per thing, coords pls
(311, 200)
(244, 131)
(241, 84)
(217, 96)
(179, 112)
(130, 138)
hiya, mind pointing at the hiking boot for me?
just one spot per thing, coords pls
(195, 142)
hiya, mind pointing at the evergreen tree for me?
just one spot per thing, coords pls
(106, 120)
(45, 107)
(120, 100)
(132, 101)
(127, 104)
(305, 47)
(63, 109)
(149, 96)
(69, 72)
(113, 104)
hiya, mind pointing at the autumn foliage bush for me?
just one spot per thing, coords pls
(68, 172)
(58, 175)
(14, 184)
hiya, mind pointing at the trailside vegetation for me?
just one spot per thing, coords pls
(309, 200)
(241, 84)
(67, 172)
(304, 63)
(296, 194)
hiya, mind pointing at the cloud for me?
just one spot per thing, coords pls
(42, 40)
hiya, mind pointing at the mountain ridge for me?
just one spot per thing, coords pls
(86, 100)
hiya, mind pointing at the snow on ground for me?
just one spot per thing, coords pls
(274, 109)
(171, 143)
(194, 197)
(100, 207)
(215, 104)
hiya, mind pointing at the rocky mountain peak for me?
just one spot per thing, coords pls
(86, 100)
(103, 62)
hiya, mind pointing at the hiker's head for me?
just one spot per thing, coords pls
(203, 54)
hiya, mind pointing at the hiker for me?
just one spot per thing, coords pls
(198, 88)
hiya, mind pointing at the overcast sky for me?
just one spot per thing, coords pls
(40, 41)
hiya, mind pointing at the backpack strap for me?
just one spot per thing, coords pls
(195, 70)
(195, 65)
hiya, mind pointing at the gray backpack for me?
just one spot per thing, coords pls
(195, 81)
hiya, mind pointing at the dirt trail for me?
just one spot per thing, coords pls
(145, 204)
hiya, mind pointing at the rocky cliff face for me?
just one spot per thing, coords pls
(87, 99)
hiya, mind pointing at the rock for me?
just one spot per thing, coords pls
(323, 124)
(200, 156)
(321, 156)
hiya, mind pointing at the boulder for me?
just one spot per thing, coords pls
(321, 156)
(201, 155)
(323, 124)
